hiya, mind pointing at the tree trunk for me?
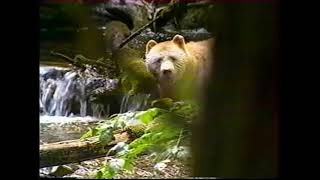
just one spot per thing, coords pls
(237, 136)
(72, 151)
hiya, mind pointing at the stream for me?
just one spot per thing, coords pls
(67, 104)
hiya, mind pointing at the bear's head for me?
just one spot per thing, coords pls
(166, 60)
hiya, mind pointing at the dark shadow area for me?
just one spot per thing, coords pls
(237, 136)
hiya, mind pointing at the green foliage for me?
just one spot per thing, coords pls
(155, 134)
(147, 116)
(135, 76)
(135, 131)
(129, 85)
(106, 136)
(92, 132)
(105, 173)
(156, 130)
(189, 110)
(103, 130)
(164, 103)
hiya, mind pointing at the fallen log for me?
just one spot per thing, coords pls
(74, 151)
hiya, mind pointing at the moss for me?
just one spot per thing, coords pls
(195, 18)
(164, 103)
(114, 34)
(136, 131)
(135, 76)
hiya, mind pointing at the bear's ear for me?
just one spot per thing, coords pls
(150, 44)
(179, 41)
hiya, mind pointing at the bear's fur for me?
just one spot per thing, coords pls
(175, 63)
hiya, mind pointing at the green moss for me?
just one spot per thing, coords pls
(164, 103)
(135, 76)
(136, 131)
(114, 34)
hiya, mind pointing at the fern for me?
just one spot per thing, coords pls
(161, 136)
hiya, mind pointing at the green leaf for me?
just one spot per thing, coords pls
(108, 173)
(147, 116)
(140, 141)
(99, 175)
(92, 132)
(105, 136)
(128, 165)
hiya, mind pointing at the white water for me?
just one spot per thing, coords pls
(64, 93)
(44, 68)
(136, 102)
(63, 119)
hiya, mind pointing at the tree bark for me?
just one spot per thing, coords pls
(237, 137)
(73, 151)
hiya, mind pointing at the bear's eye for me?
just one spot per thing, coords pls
(173, 58)
(157, 60)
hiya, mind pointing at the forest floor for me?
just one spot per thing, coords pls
(143, 168)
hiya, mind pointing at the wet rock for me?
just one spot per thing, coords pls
(59, 171)
(74, 176)
(71, 93)
(53, 74)
(54, 129)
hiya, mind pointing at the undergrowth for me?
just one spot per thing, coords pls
(162, 134)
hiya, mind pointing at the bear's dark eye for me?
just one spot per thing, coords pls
(173, 58)
(157, 60)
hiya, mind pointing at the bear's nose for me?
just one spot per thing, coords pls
(166, 71)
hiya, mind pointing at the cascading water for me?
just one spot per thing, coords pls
(136, 102)
(66, 92)
(69, 105)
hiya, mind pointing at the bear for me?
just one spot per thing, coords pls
(179, 66)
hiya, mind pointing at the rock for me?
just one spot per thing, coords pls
(74, 176)
(116, 164)
(160, 166)
(53, 74)
(184, 153)
(72, 93)
(120, 146)
(113, 35)
(54, 129)
(60, 171)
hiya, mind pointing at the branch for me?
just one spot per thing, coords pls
(80, 60)
(72, 151)
(133, 35)
(171, 5)
(64, 57)
(97, 63)
(199, 5)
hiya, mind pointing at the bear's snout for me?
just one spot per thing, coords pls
(166, 72)
(166, 68)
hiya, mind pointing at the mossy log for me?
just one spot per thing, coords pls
(73, 151)
(136, 78)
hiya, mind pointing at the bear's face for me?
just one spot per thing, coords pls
(166, 60)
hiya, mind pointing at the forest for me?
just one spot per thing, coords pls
(158, 89)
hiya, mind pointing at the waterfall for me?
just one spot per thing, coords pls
(61, 92)
(137, 102)
(65, 92)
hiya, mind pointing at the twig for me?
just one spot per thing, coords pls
(97, 63)
(80, 60)
(199, 5)
(64, 57)
(179, 139)
(133, 35)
